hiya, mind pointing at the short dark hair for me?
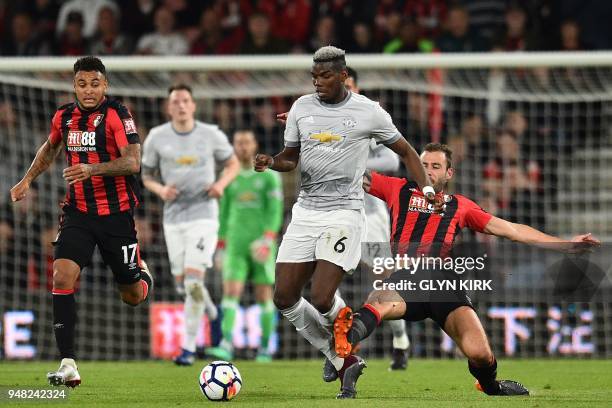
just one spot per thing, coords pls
(440, 147)
(332, 55)
(352, 73)
(180, 87)
(89, 63)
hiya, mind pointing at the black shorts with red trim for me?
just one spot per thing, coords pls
(426, 303)
(114, 235)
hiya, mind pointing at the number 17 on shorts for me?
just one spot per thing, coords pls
(130, 255)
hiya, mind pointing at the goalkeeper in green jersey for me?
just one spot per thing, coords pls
(250, 218)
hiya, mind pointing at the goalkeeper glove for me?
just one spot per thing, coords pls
(219, 255)
(262, 248)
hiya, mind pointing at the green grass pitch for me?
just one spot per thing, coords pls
(439, 383)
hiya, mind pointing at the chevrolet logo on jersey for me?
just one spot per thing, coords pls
(325, 137)
(247, 196)
(186, 160)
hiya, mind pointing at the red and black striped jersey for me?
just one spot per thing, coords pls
(415, 228)
(96, 137)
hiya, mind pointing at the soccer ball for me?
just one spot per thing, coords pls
(220, 381)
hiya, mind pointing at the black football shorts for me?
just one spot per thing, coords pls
(115, 236)
(436, 305)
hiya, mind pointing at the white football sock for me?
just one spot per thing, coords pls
(308, 322)
(327, 320)
(400, 337)
(209, 305)
(194, 310)
(329, 317)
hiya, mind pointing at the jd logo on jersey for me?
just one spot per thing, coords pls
(326, 137)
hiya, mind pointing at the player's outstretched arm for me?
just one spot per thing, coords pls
(127, 164)
(531, 236)
(412, 161)
(286, 160)
(45, 155)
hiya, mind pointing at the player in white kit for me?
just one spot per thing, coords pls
(382, 160)
(186, 153)
(329, 134)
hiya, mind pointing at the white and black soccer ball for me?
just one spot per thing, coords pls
(220, 381)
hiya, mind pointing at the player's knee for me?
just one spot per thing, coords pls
(479, 356)
(62, 279)
(261, 296)
(65, 273)
(194, 274)
(283, 300)
(194, 288)
(232, 292)
(321, 303)
(374, 298)
(130, 298)
(131, 294)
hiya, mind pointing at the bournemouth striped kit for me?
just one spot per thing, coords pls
(415, 228)
(96, 137)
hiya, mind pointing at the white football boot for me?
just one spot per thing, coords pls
(67, 374)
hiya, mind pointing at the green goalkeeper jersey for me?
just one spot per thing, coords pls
(251, 205)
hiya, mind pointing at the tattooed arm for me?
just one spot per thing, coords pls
(44, 157)
(127, 164)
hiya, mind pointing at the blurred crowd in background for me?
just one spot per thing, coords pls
(509, 168)
(505, 162)
(217, 27)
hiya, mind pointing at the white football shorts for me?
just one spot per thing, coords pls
(191, 244)
(331, 235)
